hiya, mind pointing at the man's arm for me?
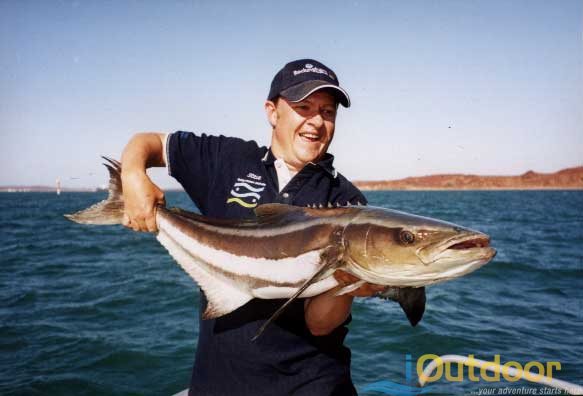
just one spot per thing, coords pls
(325, 312)
(140, 195)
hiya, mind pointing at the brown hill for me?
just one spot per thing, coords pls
(566, 179)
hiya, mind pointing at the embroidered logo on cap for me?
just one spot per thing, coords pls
(313, 69)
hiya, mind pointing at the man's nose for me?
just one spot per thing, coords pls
(316, 120)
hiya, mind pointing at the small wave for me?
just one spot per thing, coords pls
(123, 358)
(393, 388)
(20, 299)
(66, 384)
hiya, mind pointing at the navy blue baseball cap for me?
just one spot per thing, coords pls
(299, 79)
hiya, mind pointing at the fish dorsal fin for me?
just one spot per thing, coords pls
(279, 213)
(276, 209)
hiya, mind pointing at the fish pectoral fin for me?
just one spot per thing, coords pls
(330, 261)
(412, 301)
(350, 288)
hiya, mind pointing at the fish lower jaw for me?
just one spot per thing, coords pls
(418, 276)
(458, 271)
(459, 256)
(403, 278)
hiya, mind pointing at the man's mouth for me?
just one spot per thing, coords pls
(310, 137)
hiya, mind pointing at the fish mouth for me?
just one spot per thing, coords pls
(470, 242)
(475, 244)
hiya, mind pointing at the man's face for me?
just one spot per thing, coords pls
(302, 131)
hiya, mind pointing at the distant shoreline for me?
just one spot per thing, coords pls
(565, 179)
(570, 179)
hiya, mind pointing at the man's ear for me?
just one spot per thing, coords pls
(271, 111)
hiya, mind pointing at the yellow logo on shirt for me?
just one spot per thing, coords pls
(246, 192)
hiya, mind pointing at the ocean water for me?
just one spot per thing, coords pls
(105, 311)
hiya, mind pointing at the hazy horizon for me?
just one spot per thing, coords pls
(475, 87)
(157, 177)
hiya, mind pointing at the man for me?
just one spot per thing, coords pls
(303, 352)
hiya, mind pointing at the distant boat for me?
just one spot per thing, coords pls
(58, 186)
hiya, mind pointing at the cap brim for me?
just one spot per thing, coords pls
(301, 91)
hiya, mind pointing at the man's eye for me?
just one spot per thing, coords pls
(329, 113)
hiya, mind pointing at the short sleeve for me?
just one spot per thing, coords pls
(192, 160)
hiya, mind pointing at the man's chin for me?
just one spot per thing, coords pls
(307, 158)
(312, 154)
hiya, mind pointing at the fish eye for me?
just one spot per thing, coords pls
(406, 237)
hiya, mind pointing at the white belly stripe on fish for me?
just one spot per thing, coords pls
(229, 281)
(222, 295)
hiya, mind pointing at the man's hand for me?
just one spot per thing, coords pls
(325, 312)
(366, 290)
(140, 197)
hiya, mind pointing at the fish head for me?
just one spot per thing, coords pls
(399, 249)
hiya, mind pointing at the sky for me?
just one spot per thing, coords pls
(481, 87)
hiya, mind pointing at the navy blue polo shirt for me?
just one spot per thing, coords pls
(227, 178)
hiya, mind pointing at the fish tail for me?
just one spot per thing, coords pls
(111, 209)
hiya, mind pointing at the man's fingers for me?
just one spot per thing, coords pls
(151, 224)
(362, 292)
(141, 197)
(344, 278)
(139, 224)
(126, 220)
(377, 288)
(358, 293)
(368, 290)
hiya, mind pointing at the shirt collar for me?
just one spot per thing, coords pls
(325, 163)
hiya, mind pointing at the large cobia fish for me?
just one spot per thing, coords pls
(290, 252)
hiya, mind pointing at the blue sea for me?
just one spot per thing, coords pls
(105, 311)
